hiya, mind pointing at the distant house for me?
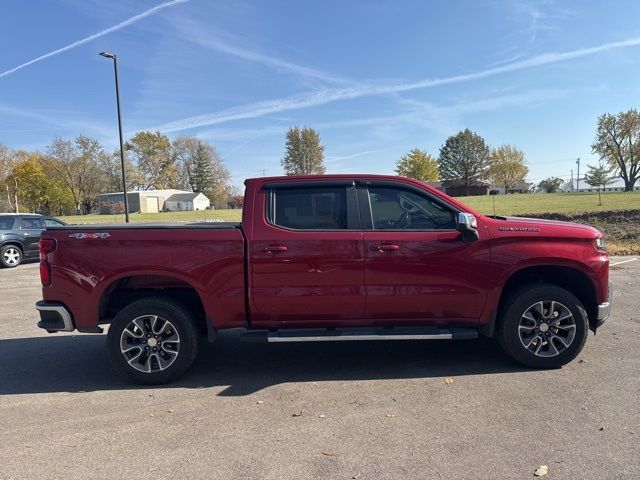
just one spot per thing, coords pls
(617, 185)
(140, 201)
(187, 201)
(520, 187)
(456, 190)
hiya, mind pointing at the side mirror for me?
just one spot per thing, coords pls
(467, 224)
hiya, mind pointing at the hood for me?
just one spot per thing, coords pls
(538, 227)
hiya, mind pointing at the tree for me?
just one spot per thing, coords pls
(418, 164)
(599, 176)
(201, 169)
(39, 191)
(464, 160)
(304, 153)
(77, 164)
(508, 167)
(618, 143)
(151, 153)
(551, 184)
(111, 168)
(7, 164)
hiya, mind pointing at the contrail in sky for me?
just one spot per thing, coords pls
(118, 26)
(322, 97)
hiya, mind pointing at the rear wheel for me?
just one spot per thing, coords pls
(542, 326)
(10, 256)
(152, 341)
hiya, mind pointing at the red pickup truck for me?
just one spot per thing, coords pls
(327, 258)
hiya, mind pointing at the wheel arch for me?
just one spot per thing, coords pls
(124, 290)
(570, 278)
(15, 243)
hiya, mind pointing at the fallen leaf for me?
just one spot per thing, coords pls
(151, 415)
(259, 402)
(601, 428)
(541, 471)
(320, 416)
(448, 380)
(357, 476)
(298, 414)
(328, 453)
(390, 415)
(171, 410)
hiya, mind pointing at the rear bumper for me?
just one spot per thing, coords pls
(54, 317)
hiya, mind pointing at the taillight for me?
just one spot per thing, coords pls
(47, 246)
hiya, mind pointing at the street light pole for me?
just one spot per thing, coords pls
(124, 178)
(578, 178)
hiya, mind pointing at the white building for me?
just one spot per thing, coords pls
(187, 201)
(142, 201)
(617, 185)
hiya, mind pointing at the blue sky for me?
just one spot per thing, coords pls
(374, 78)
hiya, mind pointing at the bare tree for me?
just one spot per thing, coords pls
(618, 143)
(77, 163)
(10, 181)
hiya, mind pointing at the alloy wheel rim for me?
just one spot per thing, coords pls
(11, 256)
(547, 328)
(150, 343)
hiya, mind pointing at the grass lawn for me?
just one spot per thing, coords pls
(520, 204)
(211, 215)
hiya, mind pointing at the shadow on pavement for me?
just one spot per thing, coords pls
(79, 363)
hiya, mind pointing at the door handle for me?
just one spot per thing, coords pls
(275, 249)
(386, 247)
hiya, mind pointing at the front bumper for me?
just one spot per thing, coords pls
(54, 317)
(604, 310)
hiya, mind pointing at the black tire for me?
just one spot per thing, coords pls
(185, 349)
(509, 326)
(8, 253)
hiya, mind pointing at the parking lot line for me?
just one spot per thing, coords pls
(623, 261)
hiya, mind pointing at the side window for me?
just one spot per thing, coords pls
(6, 223)
(399, 209)
(31, 224)
(313, 208)
(49, 222)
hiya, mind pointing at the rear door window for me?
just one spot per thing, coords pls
(31, 224)
(309, 208)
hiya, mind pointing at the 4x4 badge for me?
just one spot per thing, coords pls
(83, 236)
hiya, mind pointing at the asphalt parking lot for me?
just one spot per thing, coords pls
(355, 411)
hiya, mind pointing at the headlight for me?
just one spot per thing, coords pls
(598, 243)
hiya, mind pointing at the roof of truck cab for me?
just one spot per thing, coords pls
(335, 176)
(360, 176)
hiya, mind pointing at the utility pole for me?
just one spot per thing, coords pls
(124, 179)
(578, 178)
(264, 171)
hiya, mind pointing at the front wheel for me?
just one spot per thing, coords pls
(542, 326)
(152, 341)
(10, 256)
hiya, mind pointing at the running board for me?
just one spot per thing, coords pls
(353, 334)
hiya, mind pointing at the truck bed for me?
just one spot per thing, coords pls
(96, 268)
